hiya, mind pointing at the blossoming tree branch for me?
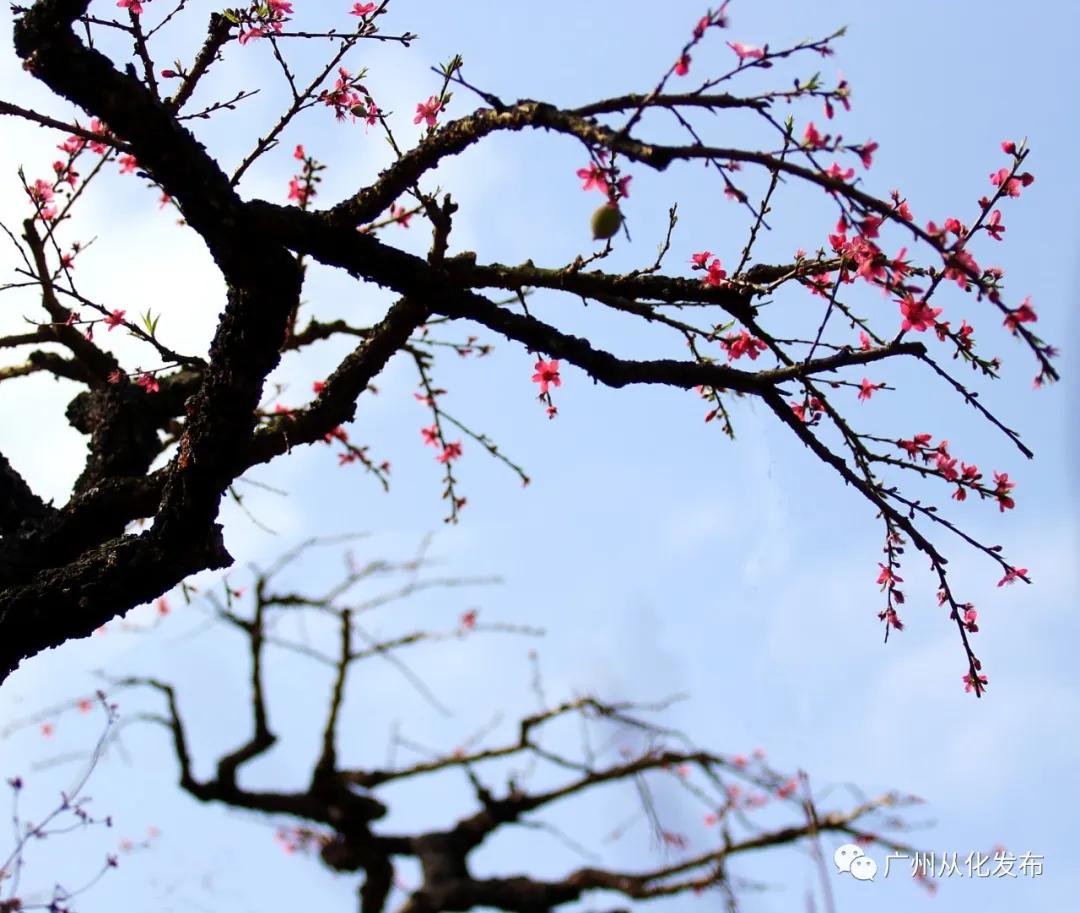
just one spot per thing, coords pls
(918, 298)
(531, 772)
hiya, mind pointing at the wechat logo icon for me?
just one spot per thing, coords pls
(851, 859)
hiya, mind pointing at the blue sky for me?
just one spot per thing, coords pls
(659, 557)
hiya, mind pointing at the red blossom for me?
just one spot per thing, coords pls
(428, 111)
(716, 275)
(450, 452)
(245, 36)
(970, 682)
(547, 373)
(299, 191)
(866, 389)
(838, 173)
(682, 65)
(918, 315)
(811, 138)
(742, 344)
(1001, 491)
(891, 619)
(816, 407)
(787, 789)
(1010, 186)
(902, 209)
(866, 153)
(888, 577)
(746, 51)
(961, 266)
(594, 177)
(115, 319)
(1022, 314)
(1012, 575)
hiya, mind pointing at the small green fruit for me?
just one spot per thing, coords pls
(606, 221)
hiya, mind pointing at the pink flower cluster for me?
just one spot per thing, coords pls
(600, 176)
(349, 97)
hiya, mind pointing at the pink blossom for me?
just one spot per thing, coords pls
(1022, 314)
(1012, 575)
(362, 9)
(887, 577)
(866, 389)
(866, 153)
(594, 177)
(299, 191)
(450, 452)
(746, 51)
(716, 274)
(836, 172)
(547, 373)
(250, 34)
(428, 111)
(133, 6)
(742, 344)
(918, 315)
(811, 138)
(1010, 186)
(961, 266)
(1001, 491)
(148, 382)
(970, 682)
(115, 319)
(787, 789)
(430, 436)
(682, 65)
(41, 191)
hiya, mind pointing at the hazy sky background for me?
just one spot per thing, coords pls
(659, 557)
